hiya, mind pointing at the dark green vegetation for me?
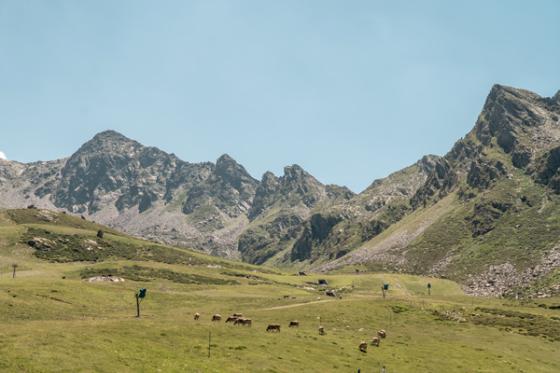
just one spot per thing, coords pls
(521, 322)
(65, 238)
(83, 246)
(52, 318)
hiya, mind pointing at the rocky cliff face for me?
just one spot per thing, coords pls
(145, 191)
(280, 208)
(485, 212)
(112, 170)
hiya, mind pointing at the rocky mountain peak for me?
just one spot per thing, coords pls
(109, 141)
(294, 172)
(269, 178)
(265, 194)
(110, 135)
(228, 168)
(224, 160)
(511, 93)
(111, 170)
(513, 117)
(295, 187)
(297, 180)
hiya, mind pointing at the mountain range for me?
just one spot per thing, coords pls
(486, 214)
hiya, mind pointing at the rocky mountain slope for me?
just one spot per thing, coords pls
(147, 192)
(486, 213)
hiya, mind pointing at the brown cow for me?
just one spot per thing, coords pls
(232, 319)
(216, 317)
(363, 346)
(321, 330)
(243, 321)
(196, 316)
(375, 341)
(294, 324)
(382, 333)
(273, 328)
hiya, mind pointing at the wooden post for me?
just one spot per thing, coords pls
(14, 266)
(137, 306)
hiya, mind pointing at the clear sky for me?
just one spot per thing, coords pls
(350, 90)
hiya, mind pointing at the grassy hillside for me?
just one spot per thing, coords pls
(53, 319)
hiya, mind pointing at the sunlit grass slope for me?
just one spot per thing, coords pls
(53, 320)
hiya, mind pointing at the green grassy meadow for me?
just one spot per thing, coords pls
(53, 320)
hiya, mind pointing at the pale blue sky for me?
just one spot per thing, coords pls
(350, 90)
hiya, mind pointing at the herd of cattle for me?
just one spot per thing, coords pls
(238, 319)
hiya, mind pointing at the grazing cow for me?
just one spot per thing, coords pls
(330, 293)
(243, 321)
(363, 346)
(232, 319)
(216, 317)
(321, 330)
(375, 341)
(294, 324)
(273, 328)
(382, 333)
(196, 316)
(237, 315)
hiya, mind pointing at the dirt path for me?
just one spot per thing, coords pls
(296, 305)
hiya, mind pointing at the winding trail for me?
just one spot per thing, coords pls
(296, 305)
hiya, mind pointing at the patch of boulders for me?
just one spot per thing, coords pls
(504, 280)
(40, 243)
(107, 278)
